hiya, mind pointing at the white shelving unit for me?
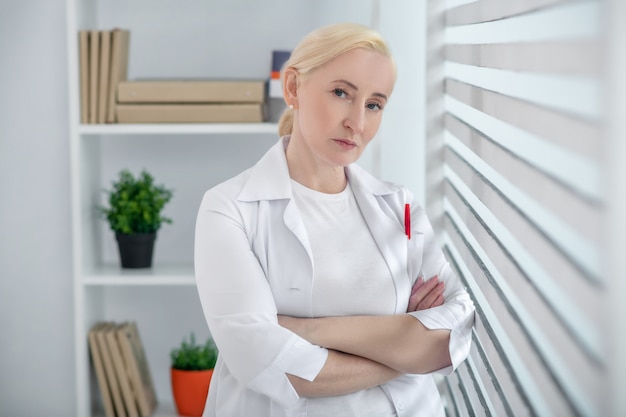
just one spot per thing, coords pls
(169, 39)
(179, 129)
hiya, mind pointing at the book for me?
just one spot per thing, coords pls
(275, 88)
(137, 366)
(120, 45)
(190, 113)
(109, 368)
(83, 55)
(103, 82)
(191, 91)
(94, 68)
(98, 365)
(123, 376)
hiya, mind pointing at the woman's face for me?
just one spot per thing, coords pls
(339, 106)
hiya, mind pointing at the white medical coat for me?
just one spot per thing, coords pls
(253, 261)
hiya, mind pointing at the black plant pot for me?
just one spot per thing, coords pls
(136, 249)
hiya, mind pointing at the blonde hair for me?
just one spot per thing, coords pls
(321, 46)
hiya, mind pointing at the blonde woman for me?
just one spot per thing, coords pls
(322, 286)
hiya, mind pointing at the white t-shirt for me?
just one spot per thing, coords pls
(350, 277)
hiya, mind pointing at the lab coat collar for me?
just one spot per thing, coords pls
(362, 180)
(269, 178)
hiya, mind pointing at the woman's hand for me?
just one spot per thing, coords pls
(426, 294)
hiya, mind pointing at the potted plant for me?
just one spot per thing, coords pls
(134, 214)
(191, 372)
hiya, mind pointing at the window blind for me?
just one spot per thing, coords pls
(516, 149)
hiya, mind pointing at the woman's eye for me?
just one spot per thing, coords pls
(374, 106)
(339, 92)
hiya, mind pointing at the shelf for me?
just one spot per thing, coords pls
(180, 128)
(163, 410)
(114, 275)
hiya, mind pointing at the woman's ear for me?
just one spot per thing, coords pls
(290, 87)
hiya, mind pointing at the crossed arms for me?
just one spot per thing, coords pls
(366, 351)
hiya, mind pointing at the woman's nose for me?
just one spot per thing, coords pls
(355, 120)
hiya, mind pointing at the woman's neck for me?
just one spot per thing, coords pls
(309, 171)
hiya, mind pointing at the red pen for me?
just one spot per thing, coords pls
(407, 220)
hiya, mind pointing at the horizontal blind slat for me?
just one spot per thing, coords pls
(568, 57)
(575, 95)
(486, 10)
(580, 137)
(570, 21)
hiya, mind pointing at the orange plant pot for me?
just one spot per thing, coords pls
(190, 389)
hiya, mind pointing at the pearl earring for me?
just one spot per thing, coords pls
(291, 106)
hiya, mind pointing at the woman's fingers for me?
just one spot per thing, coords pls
(413, 299)
(430, 300)
(426, 294)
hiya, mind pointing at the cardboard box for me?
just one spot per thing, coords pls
(191, 91)
(190, 113)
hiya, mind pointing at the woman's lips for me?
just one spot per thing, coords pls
(345, 143)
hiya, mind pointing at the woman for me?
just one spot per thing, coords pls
(310, 280)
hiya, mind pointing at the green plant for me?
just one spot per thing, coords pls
(135, 204)
(194, 357)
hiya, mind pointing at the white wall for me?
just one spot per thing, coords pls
(399, 150)
(36, 332)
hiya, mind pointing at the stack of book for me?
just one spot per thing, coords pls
(190, 101)
(103, 59)
(121, 370)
